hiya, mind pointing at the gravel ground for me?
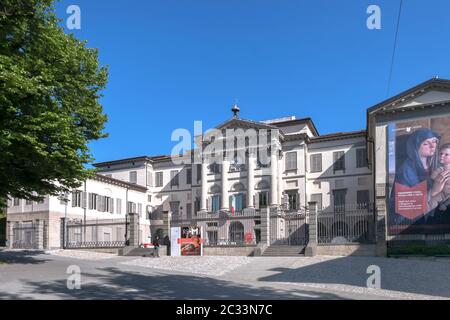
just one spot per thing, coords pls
(207, 265)
(79, 254)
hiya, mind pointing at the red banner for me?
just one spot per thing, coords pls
(411, 202)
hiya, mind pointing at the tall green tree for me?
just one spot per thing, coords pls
(50, 86)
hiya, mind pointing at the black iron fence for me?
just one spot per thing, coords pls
(24, 235)
(99, 233)
(346, 224)
(225, 228)
(288, 228)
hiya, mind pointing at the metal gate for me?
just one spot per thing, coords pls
(288, 229)
(24, 235)
(105, 233)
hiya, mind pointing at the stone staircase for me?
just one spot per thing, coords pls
(284, 251)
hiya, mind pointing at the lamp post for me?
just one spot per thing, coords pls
(64, 197)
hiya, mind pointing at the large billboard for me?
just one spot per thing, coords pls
(419, 176)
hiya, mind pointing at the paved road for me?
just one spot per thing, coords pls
(40, 275)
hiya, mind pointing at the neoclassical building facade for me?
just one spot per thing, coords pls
(245, 164)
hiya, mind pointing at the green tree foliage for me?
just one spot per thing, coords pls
(50, 86)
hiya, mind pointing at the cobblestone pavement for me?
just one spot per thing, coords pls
(80, 254)
(208, 265)
(29, 274)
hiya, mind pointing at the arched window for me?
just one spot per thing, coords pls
(236, 232)
(263, 184)
(215, 189)
(237, 187)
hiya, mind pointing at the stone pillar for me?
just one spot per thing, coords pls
(279, 178)
(251, 181)
(204, 186)
(265, 226)
(134, 230)
(10, 235)
(273, 178)
(224, 196)
(380, 213)
(311, 248)
(39, 234)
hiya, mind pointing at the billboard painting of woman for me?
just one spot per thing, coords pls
(416, 180)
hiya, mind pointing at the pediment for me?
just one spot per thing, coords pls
(237, 123)
(430, 92)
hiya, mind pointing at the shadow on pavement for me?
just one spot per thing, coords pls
(404, 275)
(21, 257)
(116, 284)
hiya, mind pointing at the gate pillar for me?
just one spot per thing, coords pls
(311, 248)
(39, 234)
(265, 226)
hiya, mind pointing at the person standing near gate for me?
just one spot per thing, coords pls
(156, 246)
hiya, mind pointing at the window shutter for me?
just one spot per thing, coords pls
(83, 199)
(111, 205)
(256, 200)
(90, 201)
(74, 198)
(119, 206)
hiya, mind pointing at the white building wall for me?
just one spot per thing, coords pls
(353, 179)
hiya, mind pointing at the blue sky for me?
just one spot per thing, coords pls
(172, 62)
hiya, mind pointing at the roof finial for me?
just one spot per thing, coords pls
(235, 110)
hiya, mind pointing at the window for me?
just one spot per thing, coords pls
(189, 210)
(189, 176)
(291, 161)
(174, 178)
(76, 198)
(362, 199)
(197, 204)
(174, 207)
(338, 161)
(317, 198)
(316, 162)
(215, 203)
(159, 179)
(293, 200)
(131, 207)
(109, 205)
(149, 198)
(119, 206)
(237, 202)
(133, 177)
(93, 201)
(28, 202)
(339, 200)
(361, 158)
(263, 198)
(214, 168)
